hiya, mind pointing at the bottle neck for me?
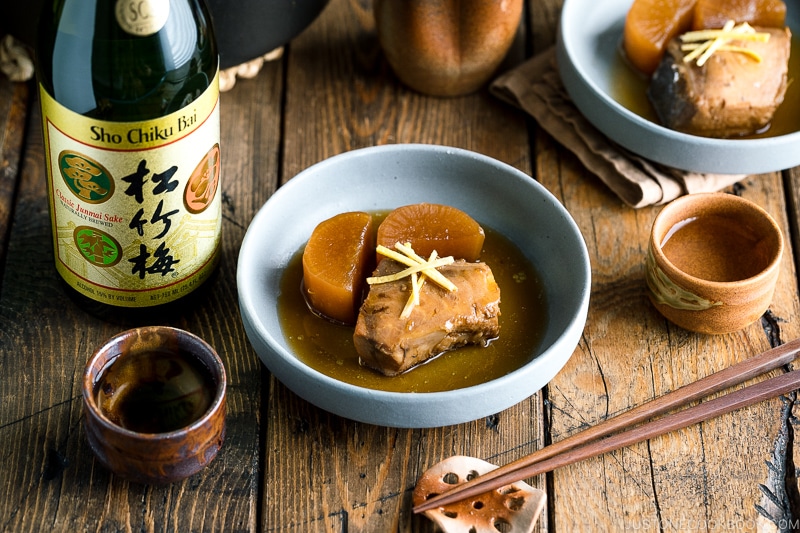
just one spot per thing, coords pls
(99, 59)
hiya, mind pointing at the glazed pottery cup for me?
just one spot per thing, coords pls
(446, 47)
(712, 263)
(154, 403)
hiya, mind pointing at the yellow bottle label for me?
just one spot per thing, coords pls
(134, 206)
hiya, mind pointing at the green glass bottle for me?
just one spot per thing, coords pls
(130, 114)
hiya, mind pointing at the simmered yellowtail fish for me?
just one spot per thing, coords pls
(732, 91)
(443, 320)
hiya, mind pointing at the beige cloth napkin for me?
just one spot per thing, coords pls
(535, 86)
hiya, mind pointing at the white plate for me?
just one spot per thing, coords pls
(587, 46)
(384, 177)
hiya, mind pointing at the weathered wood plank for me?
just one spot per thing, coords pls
(14, 99)
(293, 467)
(632, 354)
(698, 477)
(48, 476)
(323, 472)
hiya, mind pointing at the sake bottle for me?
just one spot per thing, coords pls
(129, 93)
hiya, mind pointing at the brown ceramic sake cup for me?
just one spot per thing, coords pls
(713, 261)
(446, 47)
(154, 404)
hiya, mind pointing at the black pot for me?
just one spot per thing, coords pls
(247, 29)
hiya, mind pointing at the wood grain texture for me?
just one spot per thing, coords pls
(289, 466)
(664, 414)
(14, 100)
(325, 473)
(696, 477)
(48, 476)
(700, 475)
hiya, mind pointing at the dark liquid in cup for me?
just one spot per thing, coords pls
(155, 391)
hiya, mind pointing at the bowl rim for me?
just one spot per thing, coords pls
(577, 317)
(652, 140)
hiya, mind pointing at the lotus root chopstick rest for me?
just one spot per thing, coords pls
(514, 507)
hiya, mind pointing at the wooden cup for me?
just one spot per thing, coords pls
(696, 285)
(159, 457)
(446, 47)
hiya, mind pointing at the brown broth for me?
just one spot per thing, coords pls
(329, 348)
(716, 248)
(630, 91)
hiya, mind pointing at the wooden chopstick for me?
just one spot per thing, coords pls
(585, 444)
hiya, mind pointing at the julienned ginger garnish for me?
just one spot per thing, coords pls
(701, 44)
(418, 268)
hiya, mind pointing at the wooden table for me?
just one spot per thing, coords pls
(288, 466)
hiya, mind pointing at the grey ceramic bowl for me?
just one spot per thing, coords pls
(384, 177)
(587, 48)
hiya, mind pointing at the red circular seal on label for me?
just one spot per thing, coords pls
(202, 185)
